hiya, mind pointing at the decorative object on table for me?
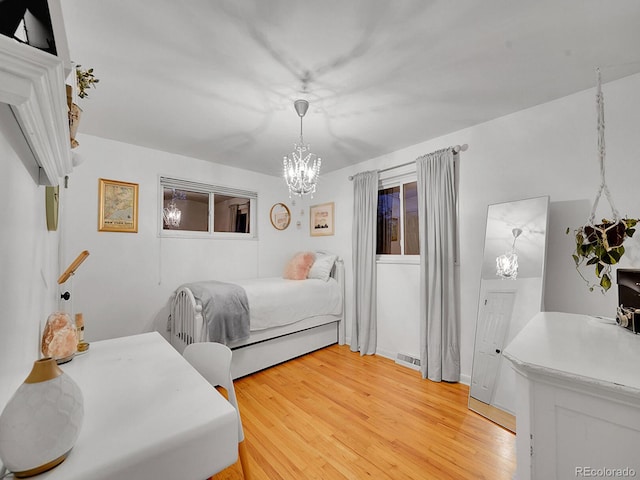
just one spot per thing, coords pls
(321, 219)
(71, 269)
(59, 338)
(82, 345)
(301, 177)
(118, 206)
(84, 79)
(628, 311)
(601, 244)
(41, 423)
(507, 263)
(280, 216)
(69, 273)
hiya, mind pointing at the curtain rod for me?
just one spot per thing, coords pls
(456, 149)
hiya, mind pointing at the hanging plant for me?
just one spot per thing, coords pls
(601, 245)
(86, 80)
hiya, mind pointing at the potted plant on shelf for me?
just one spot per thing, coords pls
(85, 79)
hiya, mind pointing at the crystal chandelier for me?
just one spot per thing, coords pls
(171, 214)
(301, 168)
(507, 264)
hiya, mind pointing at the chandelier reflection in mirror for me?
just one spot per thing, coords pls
(301, 168)
(171, 214)
(507, 264)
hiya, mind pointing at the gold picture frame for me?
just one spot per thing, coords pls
(117, 206)
(321, 219)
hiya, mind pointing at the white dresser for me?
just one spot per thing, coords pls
(578, 398)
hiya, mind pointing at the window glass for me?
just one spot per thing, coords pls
(190, 209)
(411, 236)
(388, 228)
(231, 214)
(397, 228)
(185, 210)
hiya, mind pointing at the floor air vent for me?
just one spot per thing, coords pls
(408, 361)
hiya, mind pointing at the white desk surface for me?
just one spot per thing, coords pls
(579, 348)
(148, 415)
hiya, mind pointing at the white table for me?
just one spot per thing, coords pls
(578, 399)
(148, 415)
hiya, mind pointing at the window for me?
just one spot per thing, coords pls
(192, 209)
(397, 228)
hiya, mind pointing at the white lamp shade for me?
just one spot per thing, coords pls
(41, 423)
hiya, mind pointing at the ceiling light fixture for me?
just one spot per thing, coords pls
(507, 264)
(301, 168)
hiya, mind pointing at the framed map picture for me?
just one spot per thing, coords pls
(321, 221)
(117, 206)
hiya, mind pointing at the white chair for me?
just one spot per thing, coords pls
(213, 361)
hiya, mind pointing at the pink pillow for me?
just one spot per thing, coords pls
(299, 266)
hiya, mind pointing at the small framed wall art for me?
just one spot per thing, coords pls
(321, 219)
(117, 206)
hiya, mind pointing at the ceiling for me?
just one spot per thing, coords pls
(216, 80)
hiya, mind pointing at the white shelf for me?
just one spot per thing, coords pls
(32, 82)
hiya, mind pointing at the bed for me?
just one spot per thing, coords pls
(286, 317)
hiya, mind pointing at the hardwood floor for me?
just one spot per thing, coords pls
(336, 415)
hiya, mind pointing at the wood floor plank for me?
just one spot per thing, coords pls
(334, 414)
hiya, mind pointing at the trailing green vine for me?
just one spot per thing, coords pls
(602, 246)
(86, 80)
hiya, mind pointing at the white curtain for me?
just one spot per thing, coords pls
(365, 212)
(233, 217)
(439, 331)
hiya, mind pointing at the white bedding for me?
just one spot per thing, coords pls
(276, 301)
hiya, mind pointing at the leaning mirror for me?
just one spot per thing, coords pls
(511, 293)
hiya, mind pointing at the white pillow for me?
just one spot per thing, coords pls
(322, 266)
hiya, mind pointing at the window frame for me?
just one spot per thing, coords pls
(406, 174)
(397, 178)
(211, 190)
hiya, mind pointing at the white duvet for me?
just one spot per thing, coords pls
(276, 301)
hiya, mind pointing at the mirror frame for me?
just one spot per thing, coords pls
(494, 413)
(273, 216)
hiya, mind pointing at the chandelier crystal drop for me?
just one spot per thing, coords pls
(301, 167)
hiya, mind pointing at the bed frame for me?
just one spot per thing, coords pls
(264, 348)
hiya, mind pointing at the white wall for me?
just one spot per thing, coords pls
(123, 286)
(28, 260)
(550, 150)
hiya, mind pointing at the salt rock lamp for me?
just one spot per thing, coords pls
(60, 338)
